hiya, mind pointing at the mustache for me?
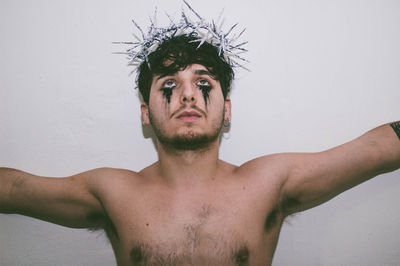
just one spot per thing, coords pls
(193, 107)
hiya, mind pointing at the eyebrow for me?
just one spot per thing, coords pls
(204, 72)
(164, 75)
(196, 72)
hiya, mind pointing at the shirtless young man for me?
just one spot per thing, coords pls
(190, 207)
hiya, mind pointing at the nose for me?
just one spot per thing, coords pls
(188, 93)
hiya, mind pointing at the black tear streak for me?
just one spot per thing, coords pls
(167, 92)
(206, 93)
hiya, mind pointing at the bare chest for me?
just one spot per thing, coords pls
(192, 229)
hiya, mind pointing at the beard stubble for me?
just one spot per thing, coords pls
(190, 140)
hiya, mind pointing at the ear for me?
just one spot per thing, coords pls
(145, 114)
(228, 108)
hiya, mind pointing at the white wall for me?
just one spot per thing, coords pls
(322, 72)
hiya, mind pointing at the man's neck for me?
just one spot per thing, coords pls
(188, 167)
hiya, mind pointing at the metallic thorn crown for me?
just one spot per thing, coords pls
(203, 30)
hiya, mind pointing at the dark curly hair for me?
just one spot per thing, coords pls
(182, 51)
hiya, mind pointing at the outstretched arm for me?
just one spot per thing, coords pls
(314, 178)
(66, 201)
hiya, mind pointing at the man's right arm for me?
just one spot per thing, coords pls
(68, 201)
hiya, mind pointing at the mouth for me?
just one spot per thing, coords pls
(188, 116)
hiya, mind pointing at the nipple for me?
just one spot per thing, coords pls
(242, 257)
(136, 255)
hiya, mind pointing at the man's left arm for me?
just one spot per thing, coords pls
(313, 178)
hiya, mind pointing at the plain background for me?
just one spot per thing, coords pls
(322, 73)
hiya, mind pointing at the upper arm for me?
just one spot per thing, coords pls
(313, 178)
(69, 201)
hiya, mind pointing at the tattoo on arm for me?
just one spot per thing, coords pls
(396, 128)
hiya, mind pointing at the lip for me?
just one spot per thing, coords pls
(188, 116)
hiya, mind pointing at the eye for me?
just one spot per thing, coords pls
(203, 82)
(169, 84)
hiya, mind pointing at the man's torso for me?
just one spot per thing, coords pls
(234, 219)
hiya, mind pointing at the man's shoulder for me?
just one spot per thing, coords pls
(107, 176)
(267, 167)
(269, 162)
(109, 172)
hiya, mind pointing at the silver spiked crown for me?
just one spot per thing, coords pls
(226, 42)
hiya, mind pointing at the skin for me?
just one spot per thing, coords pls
(190, 207)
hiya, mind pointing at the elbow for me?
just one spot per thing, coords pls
(11, 181)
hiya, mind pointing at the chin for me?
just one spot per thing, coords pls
(192, 141)
(188, 140)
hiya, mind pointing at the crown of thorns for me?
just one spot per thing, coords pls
(202, 30)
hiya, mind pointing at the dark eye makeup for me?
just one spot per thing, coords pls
(202, 84)
(167, 88)
(205, 88)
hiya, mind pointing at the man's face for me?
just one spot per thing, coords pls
(186, 109)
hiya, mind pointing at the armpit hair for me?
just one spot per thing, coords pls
(281, 211)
